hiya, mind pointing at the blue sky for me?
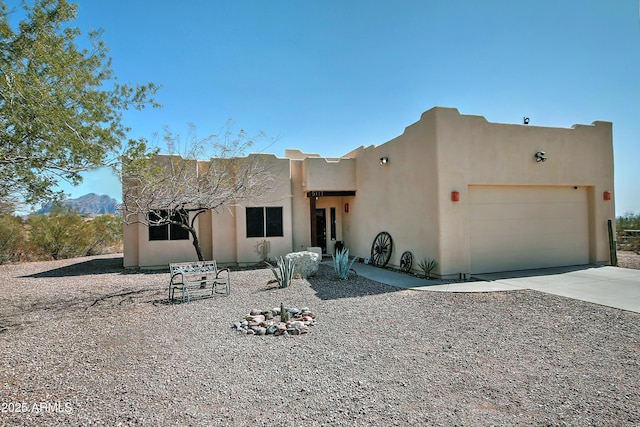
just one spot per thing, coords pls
(326, 76)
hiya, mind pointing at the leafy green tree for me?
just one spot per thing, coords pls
(61, 234)
(60, 105)
(12, 237)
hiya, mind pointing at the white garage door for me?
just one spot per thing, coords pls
(523, 227)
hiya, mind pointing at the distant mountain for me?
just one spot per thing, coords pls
(88, 204)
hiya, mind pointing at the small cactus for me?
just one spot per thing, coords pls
(284, 314)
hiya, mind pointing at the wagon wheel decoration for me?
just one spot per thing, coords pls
(381, 249)
(405, 261)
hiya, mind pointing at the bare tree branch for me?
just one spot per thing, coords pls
(176, 189)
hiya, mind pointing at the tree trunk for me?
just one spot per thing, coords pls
(196, 243)
(192, 230)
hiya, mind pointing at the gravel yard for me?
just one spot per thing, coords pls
(86, 342)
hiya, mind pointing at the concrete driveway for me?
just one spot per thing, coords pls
(610, 286)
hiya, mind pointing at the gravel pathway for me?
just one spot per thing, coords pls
(87, 343)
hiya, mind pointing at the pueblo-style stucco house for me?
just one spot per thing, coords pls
(473, 195)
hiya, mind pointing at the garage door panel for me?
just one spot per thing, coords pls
(496, 194)
(525, 246)
(489, 212)
(505, 261)
(534, 228)
(516, 227)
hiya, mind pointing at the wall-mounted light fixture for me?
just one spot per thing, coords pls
(540, 156)
(606, 195)
(384, 160)
(455, 196)
(525, 120)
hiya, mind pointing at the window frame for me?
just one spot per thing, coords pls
(166, 232)
(264, 221)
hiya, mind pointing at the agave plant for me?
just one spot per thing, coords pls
(427, 266)
(284, 273)
(342, 264)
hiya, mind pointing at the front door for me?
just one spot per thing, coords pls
(321, 229)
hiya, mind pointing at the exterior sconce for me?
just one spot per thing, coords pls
(384, 160)
(525, 120)
(455, 196)
(540, 156)
(606, 195)
(346, 208)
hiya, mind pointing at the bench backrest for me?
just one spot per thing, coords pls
(194, 267)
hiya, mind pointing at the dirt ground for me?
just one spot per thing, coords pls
(85, 342)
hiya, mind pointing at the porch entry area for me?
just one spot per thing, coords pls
(325, 219)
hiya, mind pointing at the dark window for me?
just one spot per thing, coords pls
(168, 231)
(255, 222)
(333, 223)
(176, 232)
(274, 222)
(158, 232)
(264, 222)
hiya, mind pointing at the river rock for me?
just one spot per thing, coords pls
(262, 322)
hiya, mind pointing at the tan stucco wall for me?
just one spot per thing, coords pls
(472, 151)
(329, 175)
(300, 221)
(222, 233)
(399, 197)
(247, 248)
(130, 242)
(410, 196)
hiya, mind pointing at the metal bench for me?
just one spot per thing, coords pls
(198, 277)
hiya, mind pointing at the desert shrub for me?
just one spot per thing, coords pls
(61, 234)
(628, 221)
(12, 237)
(104, 231)
(626, 240)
